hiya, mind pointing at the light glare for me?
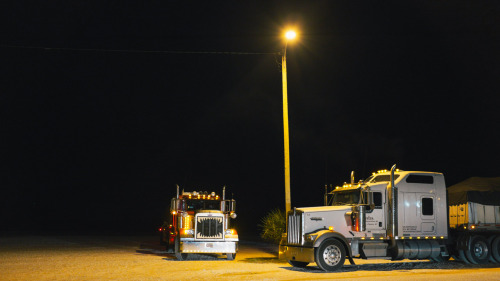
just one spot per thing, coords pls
(290, 34)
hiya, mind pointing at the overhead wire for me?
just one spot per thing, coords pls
(135, 51)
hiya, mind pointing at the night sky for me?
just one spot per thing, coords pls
(107, 105)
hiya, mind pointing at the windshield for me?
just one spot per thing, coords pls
(193, 205)
(345, 197)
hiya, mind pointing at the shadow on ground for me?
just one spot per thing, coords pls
(154, 248)
(158, 250)
(263, 260)
(396, 266)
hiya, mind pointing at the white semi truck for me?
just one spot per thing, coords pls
(393, 215)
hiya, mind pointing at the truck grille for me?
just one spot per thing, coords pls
(294, 229)
(209, 227)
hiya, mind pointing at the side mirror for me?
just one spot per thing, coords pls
(233, 206)
(173, 205)
(178, 205)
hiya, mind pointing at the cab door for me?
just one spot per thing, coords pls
(427, 213)
(375, 218)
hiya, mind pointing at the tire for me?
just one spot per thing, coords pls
(166, 243)
(495, 248)
(460, 254)
(230, 256)
(330, 255)
(180, 256)
(170, 247)
(479, 250)
(462, 257)
(162, 241)
(301, 264)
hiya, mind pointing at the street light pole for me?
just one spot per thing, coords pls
(288, 201)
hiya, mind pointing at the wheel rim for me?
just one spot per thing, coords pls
(480, 249)
(332, 255)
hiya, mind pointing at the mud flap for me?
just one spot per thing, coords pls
(351, 261)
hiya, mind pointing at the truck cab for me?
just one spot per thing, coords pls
(420, 203)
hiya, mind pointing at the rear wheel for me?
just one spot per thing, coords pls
(495, 248)
(166, 241)
(298, 263)
(479, 250)
(462, 257)
(330, 255)
(170, 242)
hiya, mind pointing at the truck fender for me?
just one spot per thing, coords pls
(327, 234)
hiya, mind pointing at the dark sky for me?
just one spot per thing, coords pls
(106, 105)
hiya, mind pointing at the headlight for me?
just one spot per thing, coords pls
(187, 231)
(311, 237)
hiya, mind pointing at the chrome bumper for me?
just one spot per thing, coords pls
(191, 246)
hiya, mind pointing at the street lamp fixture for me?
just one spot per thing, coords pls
(289, 35)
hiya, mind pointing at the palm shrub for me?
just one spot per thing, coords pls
(273, 225)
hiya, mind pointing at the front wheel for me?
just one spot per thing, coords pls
(330, 255)
(180, 256)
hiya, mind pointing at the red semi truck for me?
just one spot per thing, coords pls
(199, 222)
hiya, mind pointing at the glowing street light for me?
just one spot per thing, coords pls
(289, 35)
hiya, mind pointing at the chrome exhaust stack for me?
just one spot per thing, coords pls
(392, 191)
